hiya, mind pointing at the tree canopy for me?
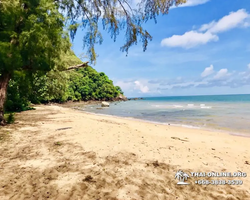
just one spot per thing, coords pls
(113, 16)
(34, 34)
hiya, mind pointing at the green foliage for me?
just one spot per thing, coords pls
(32, 35)
(55, 86)
(17, 95)
(88, 84)
(10, 118)
(119, 89)
(49, 87)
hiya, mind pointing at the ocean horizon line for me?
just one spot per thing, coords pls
(188, 95)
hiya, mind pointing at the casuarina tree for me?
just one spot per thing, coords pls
(33, 37)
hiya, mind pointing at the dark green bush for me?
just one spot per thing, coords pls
(10, 118)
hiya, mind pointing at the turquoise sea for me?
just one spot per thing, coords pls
(229, 113)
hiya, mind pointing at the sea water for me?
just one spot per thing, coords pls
(229, 113)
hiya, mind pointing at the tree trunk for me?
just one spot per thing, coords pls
(4, 81)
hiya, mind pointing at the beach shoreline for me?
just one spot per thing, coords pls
(62, 153)
(77, 106)
(168, 124)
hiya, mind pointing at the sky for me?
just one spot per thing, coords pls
(199, 48)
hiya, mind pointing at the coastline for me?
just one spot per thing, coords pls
(227, 131)
(65, 153)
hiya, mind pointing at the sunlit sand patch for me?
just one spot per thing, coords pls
(67, 180)
(39, 163)
(128, 192)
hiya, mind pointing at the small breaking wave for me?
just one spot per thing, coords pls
(205, 107)
(157, 106)
(186, 126)
(178, 106)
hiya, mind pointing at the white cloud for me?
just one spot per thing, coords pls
(184, 84)
(233, 20)
(222, 74)
(222, 79)
(208, 26)
(242, 73)
(133, 87)
(125, 85)
(208, 32)
(248, 66)
(193, 3)
(246, 24)
(141, 87)
(208, 71)
(189, 39)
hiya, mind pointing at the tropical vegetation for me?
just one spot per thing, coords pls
(35, 37)
(59, 86)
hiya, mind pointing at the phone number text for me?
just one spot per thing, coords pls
(219, 182)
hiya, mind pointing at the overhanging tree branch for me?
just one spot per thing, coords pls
(77, 66)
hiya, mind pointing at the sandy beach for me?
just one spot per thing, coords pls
(59, 153)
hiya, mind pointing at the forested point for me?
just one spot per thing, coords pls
(80, 84)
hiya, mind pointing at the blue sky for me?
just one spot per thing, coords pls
(200, 48)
